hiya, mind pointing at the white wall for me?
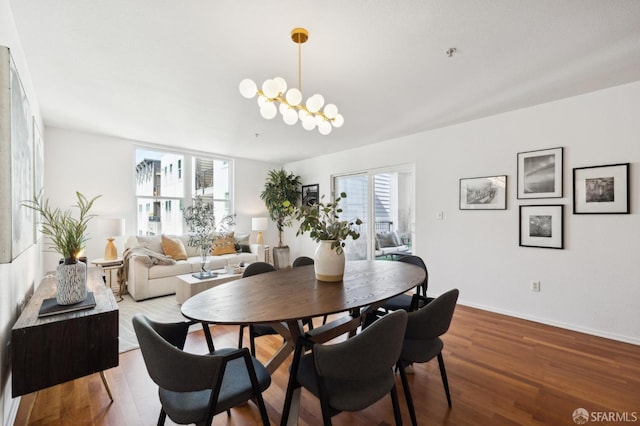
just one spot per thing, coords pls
(102, 165)
(18, 276)
(593, 285)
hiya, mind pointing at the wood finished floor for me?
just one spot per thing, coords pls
(502, 371)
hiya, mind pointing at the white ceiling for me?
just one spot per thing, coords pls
(167, 71)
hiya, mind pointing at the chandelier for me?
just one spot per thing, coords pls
(274, 97)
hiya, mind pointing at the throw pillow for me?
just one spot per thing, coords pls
(152, 243)
(224, 245)
(174, 248)
(386, 239)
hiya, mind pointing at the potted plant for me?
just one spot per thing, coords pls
(324, 225)
(202, 222)
(281, 193)
(67, 237)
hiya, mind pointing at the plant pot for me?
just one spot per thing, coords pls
(329, 265)
(281, 257)
(71, 282)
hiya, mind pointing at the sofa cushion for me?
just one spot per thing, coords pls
(161, 271)
(224, 245)
(173, 247)
(153, 243)
(242, 243)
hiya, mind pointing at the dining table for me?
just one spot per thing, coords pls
(284, 298)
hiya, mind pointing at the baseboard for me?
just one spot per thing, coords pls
(572, 327)
(12, 412)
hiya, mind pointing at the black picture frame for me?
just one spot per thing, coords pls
(310, 194)
(542, 225)
(601, 189)
(483, 193)
(540, 173)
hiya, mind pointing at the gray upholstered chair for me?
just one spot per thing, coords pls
(306, 261)
(353, 374)
(194, 388)
(406, 301)
(256, 330)
(302, 261)
(422, 340)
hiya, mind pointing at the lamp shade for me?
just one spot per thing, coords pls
(259, 224)
(112, 227)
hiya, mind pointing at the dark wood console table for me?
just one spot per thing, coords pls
(55, 349)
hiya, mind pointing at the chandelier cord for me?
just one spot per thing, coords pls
(299, 65)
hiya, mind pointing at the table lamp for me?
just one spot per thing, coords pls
(259, 224)
(112, 228)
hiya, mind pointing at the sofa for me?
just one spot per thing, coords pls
(150, 263)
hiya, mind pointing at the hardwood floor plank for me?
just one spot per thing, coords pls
(501, 370)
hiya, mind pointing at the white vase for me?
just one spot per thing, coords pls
(71, 283)
(329, 265)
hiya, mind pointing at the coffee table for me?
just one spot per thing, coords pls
(187, 285)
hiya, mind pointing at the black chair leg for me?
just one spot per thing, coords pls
(407, 393)
(396, 406)
(240, 336)
(252, 341)
(443, 373)
(162, 417)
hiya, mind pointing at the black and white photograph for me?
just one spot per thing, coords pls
(310, 194)
(542, 226)
(483, 193)
(601, 189)
(540, 173)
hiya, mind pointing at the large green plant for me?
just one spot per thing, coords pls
(281, 194)
(322, 221)
(67, 234)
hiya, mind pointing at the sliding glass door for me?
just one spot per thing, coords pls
(384, 200)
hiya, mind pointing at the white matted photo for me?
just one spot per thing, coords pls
(540, 173)
(542, 226)
(483, 193)
(601, 189)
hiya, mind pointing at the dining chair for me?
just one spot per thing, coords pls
(194, 388)
(422, 340)
(256, 330)
(406, 301)
(307, 261)
(350, 375)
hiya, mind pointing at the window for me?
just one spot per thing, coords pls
(159, 190)
(211, 180)
(383, 200)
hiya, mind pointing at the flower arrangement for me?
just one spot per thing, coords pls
(322, 221)
(67, 234)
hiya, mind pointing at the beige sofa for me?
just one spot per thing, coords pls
(146, 275)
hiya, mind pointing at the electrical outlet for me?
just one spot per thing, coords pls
(440, 215)
(535, 285)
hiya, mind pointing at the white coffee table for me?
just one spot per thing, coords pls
(187, 285)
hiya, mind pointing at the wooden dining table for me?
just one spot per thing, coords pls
(292, 294)
(285, 297)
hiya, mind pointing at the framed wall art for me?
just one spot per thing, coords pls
(542, 226)
(540, 173)
(601, 189)
(483, 193)
(310, 194)
(17, 223)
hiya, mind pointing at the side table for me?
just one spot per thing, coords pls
(110, 265)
